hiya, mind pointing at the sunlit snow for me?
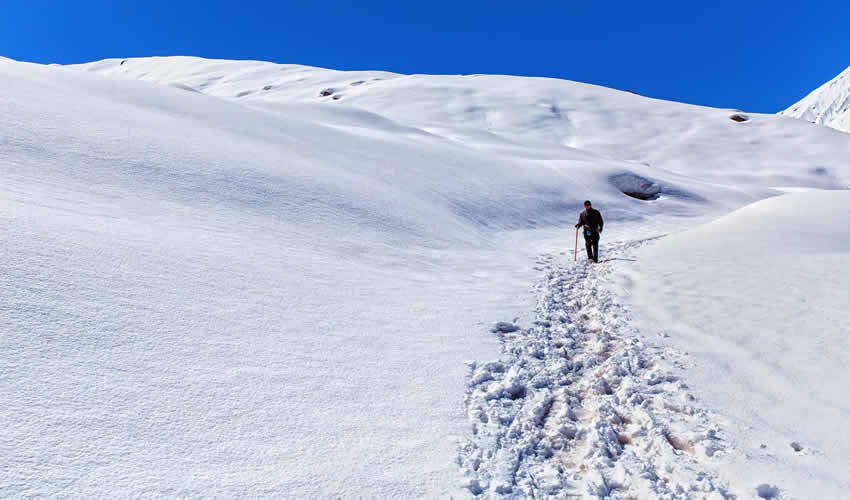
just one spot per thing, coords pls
(243, 279)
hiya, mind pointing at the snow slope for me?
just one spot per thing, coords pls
(758, 302)
(211, 289)
(530, 118)
(827, 105)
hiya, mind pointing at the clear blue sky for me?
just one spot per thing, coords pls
(757, 56)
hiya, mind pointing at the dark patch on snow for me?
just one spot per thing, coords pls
(767, 491)
(122, 62)
(475, 487)
(515, 391)
(636, 186)
(504, 327)
(267, 87)
(739, 117)
(640, 196)
(797, 446)
(358, 82)
(679, 444)
(326, 92)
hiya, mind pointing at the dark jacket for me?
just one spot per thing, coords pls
(591, 219)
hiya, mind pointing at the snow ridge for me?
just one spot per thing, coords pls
(828, 105)
(521, 118)
(578, 405)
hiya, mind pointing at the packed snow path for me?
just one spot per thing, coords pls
(577, 405)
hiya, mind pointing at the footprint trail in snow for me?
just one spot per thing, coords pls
(578, 406)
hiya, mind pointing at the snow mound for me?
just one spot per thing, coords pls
(828, 105)
(758, 298)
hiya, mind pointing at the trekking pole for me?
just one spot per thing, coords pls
(575, 254)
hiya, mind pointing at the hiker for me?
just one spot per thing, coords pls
(591, 221)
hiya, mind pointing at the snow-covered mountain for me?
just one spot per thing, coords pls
(237, 278)
(827, 105)
(528, 118)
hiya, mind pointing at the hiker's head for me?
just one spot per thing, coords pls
(586, 203)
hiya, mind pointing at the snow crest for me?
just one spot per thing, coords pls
(578, 405)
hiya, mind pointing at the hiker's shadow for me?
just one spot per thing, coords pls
(617, 258)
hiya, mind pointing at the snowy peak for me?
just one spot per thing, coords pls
(827, 105)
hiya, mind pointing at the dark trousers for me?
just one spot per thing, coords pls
(591, 242)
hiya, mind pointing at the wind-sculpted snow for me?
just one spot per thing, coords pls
(242, 279)
(578, 406)
(531, 118)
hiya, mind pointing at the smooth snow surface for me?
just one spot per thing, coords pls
(827, 105)
(242, 279)
(539, 119)
(757, 301)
